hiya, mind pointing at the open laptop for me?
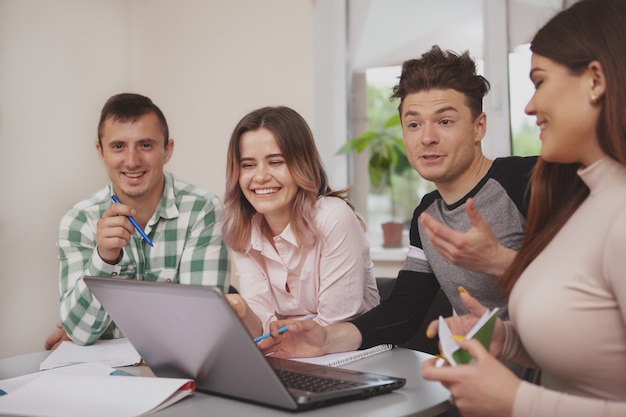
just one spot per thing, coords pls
(190, 331)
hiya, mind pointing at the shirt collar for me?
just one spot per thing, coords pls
(601, 174)
(168, 209)
(257, 238)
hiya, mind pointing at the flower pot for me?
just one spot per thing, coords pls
(392, 234)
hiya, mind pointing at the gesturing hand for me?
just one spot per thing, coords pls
(478, 249)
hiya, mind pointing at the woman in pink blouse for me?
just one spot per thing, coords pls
(567, 285)
(299, 249)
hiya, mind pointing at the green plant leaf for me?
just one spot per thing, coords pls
(378, 168)
(387, 154)
(358, 144)
(392, 121)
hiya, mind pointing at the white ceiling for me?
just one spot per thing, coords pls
(387, 32)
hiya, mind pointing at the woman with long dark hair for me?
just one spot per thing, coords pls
(567, 285)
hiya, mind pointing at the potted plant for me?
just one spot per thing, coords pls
(387, 157)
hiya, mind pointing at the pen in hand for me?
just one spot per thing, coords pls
(280, 330)
(137, 227)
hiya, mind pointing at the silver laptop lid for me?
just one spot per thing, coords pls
(191, 331)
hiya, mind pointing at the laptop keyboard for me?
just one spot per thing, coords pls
(313, 383)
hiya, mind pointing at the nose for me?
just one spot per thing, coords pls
(530, 107)
(261, 174)
(133, 158)
(429, 134)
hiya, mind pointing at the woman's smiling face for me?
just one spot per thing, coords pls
(265, 178)
(567, 112)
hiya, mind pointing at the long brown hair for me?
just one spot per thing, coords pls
(297, 145)
(590, 30)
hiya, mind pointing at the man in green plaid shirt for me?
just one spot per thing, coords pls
(97, 238)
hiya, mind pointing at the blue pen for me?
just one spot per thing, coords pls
(280, 330)
(139, 229)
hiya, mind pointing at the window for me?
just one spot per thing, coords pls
(524, 130)
(386, 203)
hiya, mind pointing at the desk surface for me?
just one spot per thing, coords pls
(418, 398)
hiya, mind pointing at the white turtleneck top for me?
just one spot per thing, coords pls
(569, 308)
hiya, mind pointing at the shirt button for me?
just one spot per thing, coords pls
(114, 274)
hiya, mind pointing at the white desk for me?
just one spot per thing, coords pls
(418, 398)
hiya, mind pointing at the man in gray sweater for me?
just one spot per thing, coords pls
(463, 234)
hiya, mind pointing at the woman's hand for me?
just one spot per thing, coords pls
(250, 320)
(460, 325)
(485, 388)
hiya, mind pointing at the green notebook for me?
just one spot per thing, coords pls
(482, 330)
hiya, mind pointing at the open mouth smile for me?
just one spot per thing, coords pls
(266, 191)
(133, 174)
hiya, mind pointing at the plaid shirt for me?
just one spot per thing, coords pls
(188, 249)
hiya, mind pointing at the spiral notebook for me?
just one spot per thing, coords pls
(343, 358)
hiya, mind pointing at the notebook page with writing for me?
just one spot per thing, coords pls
(343, 358)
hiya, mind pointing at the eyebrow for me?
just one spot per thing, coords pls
(123, 141)
(272, 155)
(438, 111)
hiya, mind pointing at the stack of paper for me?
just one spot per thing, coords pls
(113, 352)
(89, 389)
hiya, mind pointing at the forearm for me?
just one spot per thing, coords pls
(81, 314)
(342, 337)
(346, 291)
(501, 261)
(255, 289)
(397, 319)
(534, 400)
(347, 287)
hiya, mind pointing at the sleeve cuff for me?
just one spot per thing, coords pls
(99, 267)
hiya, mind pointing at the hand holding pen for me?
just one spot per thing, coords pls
(302, 338)
(113, 232)
(280, 330)
(132, 220)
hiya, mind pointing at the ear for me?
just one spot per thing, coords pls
(169, 149)
(597, 85)
(480, 127)
(99, 149)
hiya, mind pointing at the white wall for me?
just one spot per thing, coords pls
(205, 63)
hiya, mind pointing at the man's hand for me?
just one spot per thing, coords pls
(54, 340)
(478, 249)
(114, 231)
(306, 338)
